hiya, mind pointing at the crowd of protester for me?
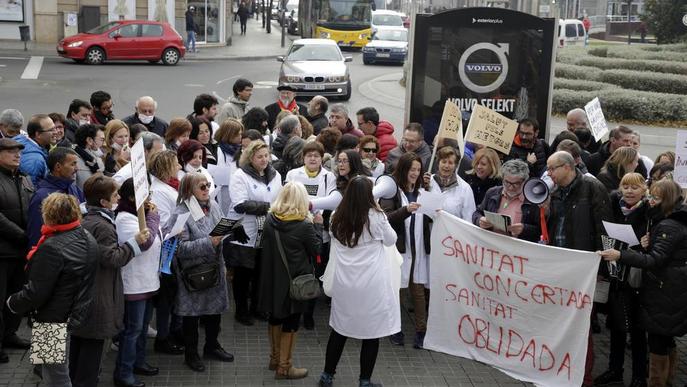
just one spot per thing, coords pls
(302, 180)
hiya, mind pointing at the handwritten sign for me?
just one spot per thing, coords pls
(451, 125)
(597, 121)
(521, 307)
(491, 129)
(680, 172)
(140, 174)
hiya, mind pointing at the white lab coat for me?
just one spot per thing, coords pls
(141, 274)
(319, 186)
(421, 268)
(459, 200)
(244, 188)
(226, 164)
(164, 197)
(365, 304)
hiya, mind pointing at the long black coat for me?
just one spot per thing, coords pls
(301, 241)
(16, 190)
(664, 283)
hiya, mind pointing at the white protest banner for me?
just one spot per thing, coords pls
(680, 172)
(595, 116)
(140, 174)
(451, 126)
(491, 129)
(521, 307)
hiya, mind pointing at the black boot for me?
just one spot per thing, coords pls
(193, 361)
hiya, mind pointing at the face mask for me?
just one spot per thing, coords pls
(188, 168)
(145, 119)
(114, 207)
(116, 147)
(84, 122)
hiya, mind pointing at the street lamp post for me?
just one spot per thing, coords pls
(629, 22)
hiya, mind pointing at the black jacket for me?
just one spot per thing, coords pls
(397, 214)
(585, 207)
(598, 159)
(190, 23)
(479, 186)
(319, 122)
(530, 214)
(61, 278)
(15, 193)
(301, 241)
(518, 151)
(157, 125)
(609, 178)
(664, 281)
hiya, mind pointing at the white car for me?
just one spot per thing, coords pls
(388, 45)
(316, 67)
(384, 18)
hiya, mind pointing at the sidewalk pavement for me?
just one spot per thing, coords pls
(256, 44)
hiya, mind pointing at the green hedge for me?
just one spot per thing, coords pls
(645, 81)
(657, 66)
(680, 47)
(582, 85)
(563, 70)
(637, 53)
(625, 105)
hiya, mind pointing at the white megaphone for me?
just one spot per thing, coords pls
(385, 187)
(535, 190)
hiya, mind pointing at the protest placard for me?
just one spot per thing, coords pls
(597, 121)
(140, 175)
(491, 129)
(451, 126)
(680, 172)
(521, 307)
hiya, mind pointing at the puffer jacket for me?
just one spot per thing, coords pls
(44, 188)
(61, 278)
(15, 193)
(33, 159)
(386, 139)
(106, 317)
(664, 283)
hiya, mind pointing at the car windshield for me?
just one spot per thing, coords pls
(314, 52)
(393, 35)
(387, 20)
(344, 12)
(100, 29)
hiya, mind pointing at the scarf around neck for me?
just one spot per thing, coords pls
(292, 106)
(229, 149)
(48, 231)
(88, 159)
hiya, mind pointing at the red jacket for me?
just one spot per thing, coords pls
(386, 139)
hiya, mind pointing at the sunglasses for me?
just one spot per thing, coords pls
(370, 150)
(205, 186)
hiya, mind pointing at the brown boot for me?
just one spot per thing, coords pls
(286, 370)
(659, 366)
(274, 333)
(672, 366)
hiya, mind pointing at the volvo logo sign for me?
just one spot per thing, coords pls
(501, 68)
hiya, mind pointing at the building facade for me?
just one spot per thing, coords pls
(51, 20)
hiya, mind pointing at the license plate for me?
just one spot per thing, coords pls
(314, 87)
(383, 55)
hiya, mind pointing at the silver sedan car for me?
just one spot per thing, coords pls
(316, 67)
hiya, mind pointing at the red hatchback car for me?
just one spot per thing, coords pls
(125, 39)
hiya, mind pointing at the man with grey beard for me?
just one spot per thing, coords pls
(286, 101)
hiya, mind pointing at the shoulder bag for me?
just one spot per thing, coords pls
(199, 277)
(48, 343)
(304, 287)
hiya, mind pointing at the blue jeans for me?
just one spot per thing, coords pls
(191, 40)
(132, 341)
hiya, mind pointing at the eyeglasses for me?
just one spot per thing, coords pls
(551, 169)
(204, 187)
(653, 198)
(342, 161)
(370, 150)
(512, 184)
(49, 130)
(526, 134)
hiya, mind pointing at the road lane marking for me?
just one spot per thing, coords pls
(33, 68)
(193, 85)
(227, 79)
(11, 58)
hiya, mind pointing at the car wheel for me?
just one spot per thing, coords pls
(170, 56)
(349, 90)
(95, 56)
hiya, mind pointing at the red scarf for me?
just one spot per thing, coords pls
(48, 231)
(293, 106)
(174, 183)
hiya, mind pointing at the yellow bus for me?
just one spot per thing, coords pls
(347, 22)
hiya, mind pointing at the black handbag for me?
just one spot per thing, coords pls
(201, 276)
(304, 287)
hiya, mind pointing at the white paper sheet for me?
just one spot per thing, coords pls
(499, 221)
(430, 202)
(178, 225)
(220, 175)
(621, 232)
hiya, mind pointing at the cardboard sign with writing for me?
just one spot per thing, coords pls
(522, 307)
(140, 173)
(451, 125)
(597, 121)
(491, 129)
(680, 172)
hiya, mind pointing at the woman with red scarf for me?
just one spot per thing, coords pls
(61, 273)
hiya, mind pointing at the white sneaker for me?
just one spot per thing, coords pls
(152, 333)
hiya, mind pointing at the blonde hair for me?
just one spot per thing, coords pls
(292, 201)
(188, 183)
(59, 208)
(111, 128)
(492, 159)
(163, 165)
(251, 150)
(620, 158)
(306, 127)
(633, 178)
(230, 128)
